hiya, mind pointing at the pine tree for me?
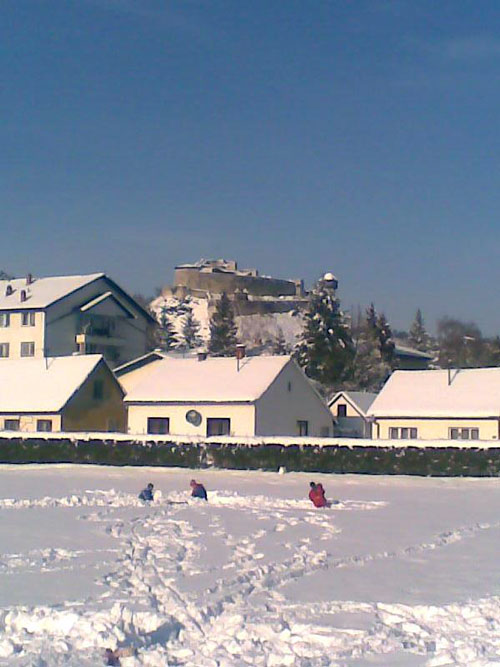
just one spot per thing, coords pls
(279, 345)
(373, 361)
(419, 338)
(167, 337)
(190, 331)
(223, 330)
(325, 350)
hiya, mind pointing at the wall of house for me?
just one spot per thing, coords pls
(352, 427)
(63, 323)
(350, 411)
(291, 398)
(436, 429)
(16, 333)
(84, 412)
(242, 416)
(28, 422)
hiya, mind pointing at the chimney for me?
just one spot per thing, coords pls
(201, 356)
(22, 295)
(8, 290)
(240, 354)
(29, 279)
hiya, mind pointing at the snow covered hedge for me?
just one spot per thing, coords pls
(308, 457)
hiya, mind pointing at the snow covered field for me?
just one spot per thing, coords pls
(403, 571)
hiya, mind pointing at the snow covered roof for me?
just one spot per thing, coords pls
(473, 392)
(42, 385)
(360, 400)
(42, 291)
(214, 380)
(403, 351)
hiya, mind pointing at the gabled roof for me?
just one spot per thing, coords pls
(472, 392)
(42, 291)
(360, 400)
(104, 297)
(214, 380)
(42, 385)
(139, 362)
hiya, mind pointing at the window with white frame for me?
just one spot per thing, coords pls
(4, 319)
(403, 433)
(458, 433)
(4, 350)
(28, 318)
(28, 349)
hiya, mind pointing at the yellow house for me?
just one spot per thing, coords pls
(224, 396)
(457, 404)
(77, 393)
(350, 412)
(60, 315)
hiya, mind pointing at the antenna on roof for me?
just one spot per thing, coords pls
(240, 354)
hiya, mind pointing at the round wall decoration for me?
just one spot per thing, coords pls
(193, 417)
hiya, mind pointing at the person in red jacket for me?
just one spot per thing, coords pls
(317, 495)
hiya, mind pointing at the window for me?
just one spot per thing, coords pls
(341, 410)
(404, 433)
(44, 425)
(289, 386)
(11, 424)
(464, 434)
(28, 349)
(158, 425)
(98, 390)
(4, 349)
(28, 318)
(218, 426)
(303, 427)
(4, 319)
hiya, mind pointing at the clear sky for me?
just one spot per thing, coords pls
(359, 137)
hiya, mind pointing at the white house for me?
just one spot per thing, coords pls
(225, 396)
(77, 393)
(350, 412)
(57, 316)
(439, 404)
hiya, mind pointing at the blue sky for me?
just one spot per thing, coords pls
(298, 137)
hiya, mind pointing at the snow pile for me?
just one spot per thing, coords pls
(398, 571)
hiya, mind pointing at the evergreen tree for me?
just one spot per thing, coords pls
(384, 336)
(419, 338)
(374, 356)
(325, 350)
(167, 337)
(223, 329)
(190, 331)
(279, 345)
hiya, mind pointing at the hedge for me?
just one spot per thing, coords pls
(335, 458)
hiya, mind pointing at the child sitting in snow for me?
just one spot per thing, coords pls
(198, 490)
(317, 495)
(147, 493)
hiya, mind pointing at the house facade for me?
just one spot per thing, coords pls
(455, 404)
(350, 412)
(61, 315)
(77, 393)
(225, 396)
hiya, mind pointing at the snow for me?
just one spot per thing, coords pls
(42, 291)
(471, 392)
(42, 385)
(217, 379)
(401, 571)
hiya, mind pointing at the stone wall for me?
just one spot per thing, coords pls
(218, 282)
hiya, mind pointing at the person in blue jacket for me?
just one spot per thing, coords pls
(147, 493)
(198, 490)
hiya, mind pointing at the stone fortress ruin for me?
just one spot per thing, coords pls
(249, 292)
